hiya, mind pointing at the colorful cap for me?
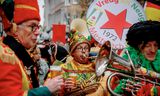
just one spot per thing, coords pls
(77, 39)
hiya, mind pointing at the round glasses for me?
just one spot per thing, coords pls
(33, 27)
(83, 48)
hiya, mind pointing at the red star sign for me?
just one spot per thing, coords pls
(117, 22)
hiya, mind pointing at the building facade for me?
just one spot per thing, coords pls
(60, 12)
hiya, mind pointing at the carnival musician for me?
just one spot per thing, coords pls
(86, 84)
(143, 41)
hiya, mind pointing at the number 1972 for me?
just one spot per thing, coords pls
(110, 35)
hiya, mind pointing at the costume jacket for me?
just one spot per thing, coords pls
(84, 73)
(14, 80)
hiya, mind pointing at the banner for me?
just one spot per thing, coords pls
(59, 33)
(111, 19)
(152, 11)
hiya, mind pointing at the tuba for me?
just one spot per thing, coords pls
(107, 60)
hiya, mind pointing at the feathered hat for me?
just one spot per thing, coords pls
(75, 39)
(143, 31)
(18, 11)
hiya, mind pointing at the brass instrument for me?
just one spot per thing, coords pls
(107, 56)
(105, 61)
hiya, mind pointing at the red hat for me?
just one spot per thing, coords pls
(23, 10)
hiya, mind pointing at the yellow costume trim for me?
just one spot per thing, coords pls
(25, 93)
(7, 55)
(26, 7)
(1, 1)
(14, 26)
(25, 79)
(152, 74)
(143, 70)
(152, 91)
(77, 67)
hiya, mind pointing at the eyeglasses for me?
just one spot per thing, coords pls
(33, 27)
(83, 48)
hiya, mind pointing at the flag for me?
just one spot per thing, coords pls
(59, 33)
(152, 11)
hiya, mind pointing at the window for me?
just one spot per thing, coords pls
(74, 1)
(67, 2)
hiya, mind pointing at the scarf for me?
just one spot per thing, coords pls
(139, 59)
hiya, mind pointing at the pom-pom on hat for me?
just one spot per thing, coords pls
(143, 31)
(75, 39)
(23, 10)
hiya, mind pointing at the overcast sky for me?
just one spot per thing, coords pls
(41, 6)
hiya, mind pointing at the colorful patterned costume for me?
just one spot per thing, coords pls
(85, 72)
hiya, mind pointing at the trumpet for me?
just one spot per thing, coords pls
(105, 61)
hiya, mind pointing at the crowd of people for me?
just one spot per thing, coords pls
(27, 66)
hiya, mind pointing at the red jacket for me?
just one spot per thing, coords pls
(13, 78)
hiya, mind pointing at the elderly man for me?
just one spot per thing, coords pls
(18, 77)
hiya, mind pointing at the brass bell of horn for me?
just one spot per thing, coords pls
(103, 57)
(106, 56)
